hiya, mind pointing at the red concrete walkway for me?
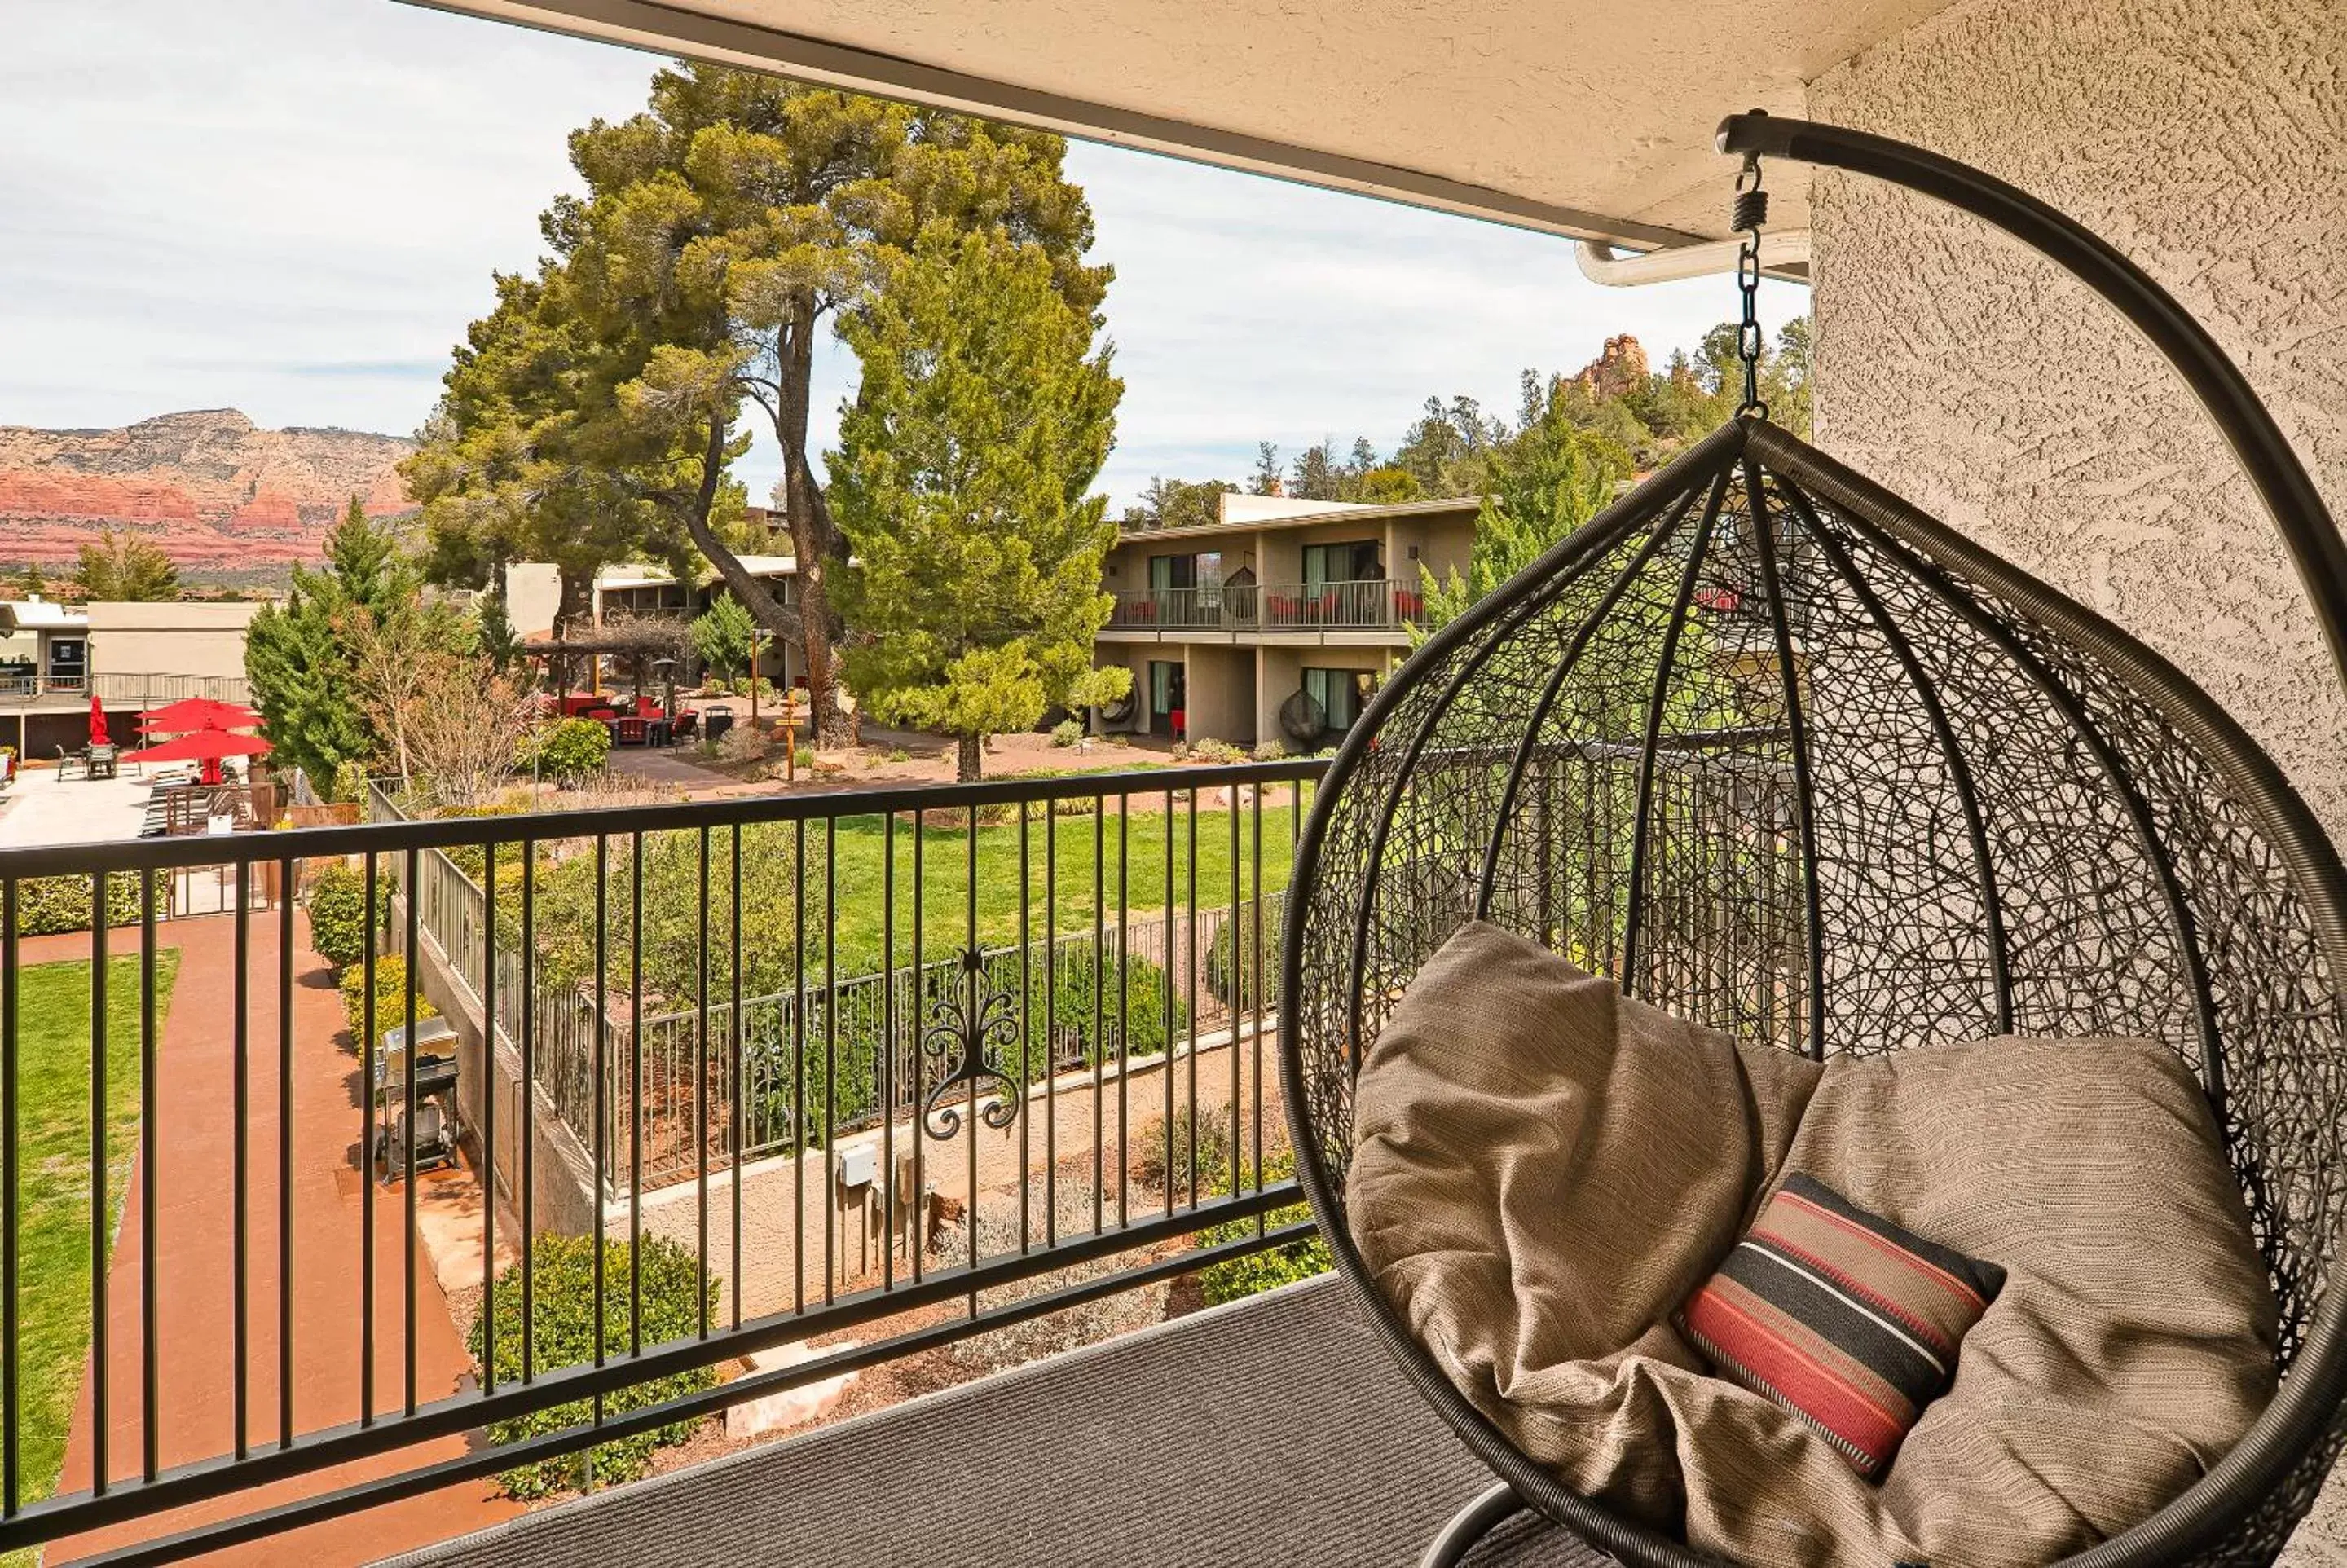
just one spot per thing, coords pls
(195, 1301)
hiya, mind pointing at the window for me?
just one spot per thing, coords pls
(1165, 687)
(1341, 694)
(1166, 572)
(1361, 560)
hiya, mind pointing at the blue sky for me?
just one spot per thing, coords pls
(293, 207)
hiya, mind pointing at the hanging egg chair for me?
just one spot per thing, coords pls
(1787, 757)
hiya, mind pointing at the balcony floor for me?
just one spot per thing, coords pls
(1272, 1431)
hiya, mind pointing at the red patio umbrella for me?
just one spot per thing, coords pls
(208, 747)
(190, 714)
(98, 735)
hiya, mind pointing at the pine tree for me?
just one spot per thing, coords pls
(743, 214)
(121, 567)
(297, 656)
(722, 635)
(960, 484)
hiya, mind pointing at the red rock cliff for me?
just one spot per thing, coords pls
(206, 487)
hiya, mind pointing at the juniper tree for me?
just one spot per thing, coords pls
(960, 485)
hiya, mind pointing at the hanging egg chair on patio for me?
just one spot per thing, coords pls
(1785, 756)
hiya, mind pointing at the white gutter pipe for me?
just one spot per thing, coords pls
(1600, 263)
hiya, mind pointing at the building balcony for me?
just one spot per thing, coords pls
(899, 1086)
(23, 689)
(1270, 610)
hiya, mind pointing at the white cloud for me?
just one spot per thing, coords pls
(293, 207)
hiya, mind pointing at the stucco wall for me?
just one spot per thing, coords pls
(169, 639)
(2206, 139)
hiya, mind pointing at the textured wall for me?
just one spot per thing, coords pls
(2206, 139)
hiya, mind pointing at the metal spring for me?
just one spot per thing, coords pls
(1751, 211)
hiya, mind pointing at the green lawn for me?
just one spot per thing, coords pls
(848, 870)
(52, 1184)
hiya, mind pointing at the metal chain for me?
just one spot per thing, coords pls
(1751, 211)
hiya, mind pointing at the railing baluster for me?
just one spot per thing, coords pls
(1026, 1023)
(1255, 815)
(831, 1050)
(1052, 1030)
(1233, 1010)
(1190, 963)
(798, 1068)
(413, 949)
(886, 1073)
(917, 1059)
(150, 1371)
(241, 1092)
(11, 1482)
(1099, 1042)
(602, 1067)
(735, 1112)
(973, 1032)
(635, 1093)
(528, 1044)
(101, 1360)
(488, 1115)
(285, 868)
(1124, 1003)
(701, 1088)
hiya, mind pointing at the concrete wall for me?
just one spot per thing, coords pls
(169, 639)
(564, 1199)
(2206, 139)
(1443, 545)
(1221, 681)
(783, 1217)
(1279, 675)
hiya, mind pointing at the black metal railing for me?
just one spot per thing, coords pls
(942, 1059)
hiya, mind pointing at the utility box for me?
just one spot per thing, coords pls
(858, 1166)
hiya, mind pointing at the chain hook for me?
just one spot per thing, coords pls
(1747, 217)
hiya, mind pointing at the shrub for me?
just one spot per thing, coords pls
(1238, 1277)
(1269, 751)
(1066, 732)
(742, 744)
(1231, 956)
(390, 992)
(1209, 1134)
(338, 915)
(1142, 1032)
(1207, 749)
(47, 906)
(562, 1331)
(567, 750)
(350, 782)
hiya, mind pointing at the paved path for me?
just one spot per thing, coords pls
(39, 809)
(193, 1226)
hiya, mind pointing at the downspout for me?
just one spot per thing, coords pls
(1783, 254)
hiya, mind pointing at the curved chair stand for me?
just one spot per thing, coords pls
(1794, 760)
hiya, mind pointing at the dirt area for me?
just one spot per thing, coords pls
(929, 1371)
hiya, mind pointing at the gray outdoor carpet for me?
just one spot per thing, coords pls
(1273, 1432)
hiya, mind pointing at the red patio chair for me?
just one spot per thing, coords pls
(633, 731)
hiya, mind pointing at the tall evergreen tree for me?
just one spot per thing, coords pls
(746, 214)
(960, 484)
(297, 657)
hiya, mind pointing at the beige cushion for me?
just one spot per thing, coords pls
(1543, 1170)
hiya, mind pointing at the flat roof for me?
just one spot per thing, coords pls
(1445, 507)
(638, 574)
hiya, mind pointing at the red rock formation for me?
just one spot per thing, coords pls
(1620, 366)
(206, 487)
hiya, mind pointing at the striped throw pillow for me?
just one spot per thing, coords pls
(1842, 1317)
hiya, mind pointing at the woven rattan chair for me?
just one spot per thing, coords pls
(1786, 756)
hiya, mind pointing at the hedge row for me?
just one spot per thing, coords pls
(48, 905)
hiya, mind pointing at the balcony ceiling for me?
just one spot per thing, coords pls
(1588, 117)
